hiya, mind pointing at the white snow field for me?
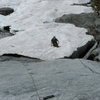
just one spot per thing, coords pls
(35, 21)
(65, 79)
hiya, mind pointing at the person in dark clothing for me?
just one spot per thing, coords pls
(54, 42)
(7, 28)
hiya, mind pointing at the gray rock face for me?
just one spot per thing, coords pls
(64, 79)
(95, 54)
(90, 21)
(6, 11)
(18, 57)
(81, 51)
(80, 20)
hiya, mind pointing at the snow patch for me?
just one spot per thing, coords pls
(36, 36)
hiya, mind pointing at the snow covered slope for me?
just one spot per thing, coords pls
(35, 20)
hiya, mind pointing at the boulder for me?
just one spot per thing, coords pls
(95, 54)
(90, 21)
(79, 20)
(6, 11)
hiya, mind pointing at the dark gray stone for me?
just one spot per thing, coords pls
(18, 57)
(6, 11)
(81, 51)
(95, 53)
(90, 21)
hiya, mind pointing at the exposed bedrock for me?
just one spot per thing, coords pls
(82, 51)
(94, 54)
(91, 22)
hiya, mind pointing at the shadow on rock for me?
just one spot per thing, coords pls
(82, 51)
(18, 57)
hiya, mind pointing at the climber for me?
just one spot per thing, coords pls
(54, 42)
(7, 28)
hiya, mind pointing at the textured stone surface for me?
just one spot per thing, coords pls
(89, 21)
(65, 79)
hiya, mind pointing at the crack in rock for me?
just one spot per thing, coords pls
(89, 68)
